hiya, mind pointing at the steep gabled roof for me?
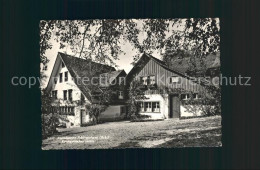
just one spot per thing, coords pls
(79, 69)
(163, 64)
(111, 76)
(145, 58)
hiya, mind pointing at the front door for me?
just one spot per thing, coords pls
(82, 116)
(174, 106)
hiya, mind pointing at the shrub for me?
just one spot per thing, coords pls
(139, 118)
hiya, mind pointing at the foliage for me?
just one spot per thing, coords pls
(140, 118)
(209, 103)
(50, 121)
(94, 111)
(134, 94)
(101, 40)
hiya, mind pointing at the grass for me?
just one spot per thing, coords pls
(196, 132)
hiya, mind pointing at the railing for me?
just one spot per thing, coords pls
(63, 110)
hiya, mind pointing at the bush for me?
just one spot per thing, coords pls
(139, 118)
(49, 124)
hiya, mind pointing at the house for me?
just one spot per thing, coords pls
(75, 83)
(165, 89)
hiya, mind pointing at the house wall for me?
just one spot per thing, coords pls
(162, 77)
(73, 121)
(112, 113)
(186, 113)
(164, 109)
(70, 84)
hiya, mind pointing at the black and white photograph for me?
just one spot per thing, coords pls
(130, 83)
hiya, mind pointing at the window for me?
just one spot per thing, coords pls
(155, 107)
(185, 96)
(196, 96)
(142, 80)
(120, 95)
(62, 65)
(64, 110)
(54, 94)
(147, 80)
(142, 106)
(152, 80)
(66, 76)
(70, 95)
(60, 77)
(174, 79)
(151, 107)
(65, 94)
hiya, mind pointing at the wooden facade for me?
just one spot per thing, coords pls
(162, 77)
(162, 89)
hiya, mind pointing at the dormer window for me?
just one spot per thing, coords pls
(120, 95)
(62, 65)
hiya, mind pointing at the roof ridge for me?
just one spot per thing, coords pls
(78, 58)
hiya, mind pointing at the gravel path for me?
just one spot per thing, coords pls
(167, 133)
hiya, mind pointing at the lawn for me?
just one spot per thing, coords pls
(195, 132)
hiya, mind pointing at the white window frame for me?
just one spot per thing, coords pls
(120, 95)
(186, 96)
(175, 78)
(149, 109)
(152, 82)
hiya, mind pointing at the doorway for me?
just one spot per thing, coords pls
(174, 103)
(82, 117)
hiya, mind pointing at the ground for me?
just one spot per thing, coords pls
(195, 132)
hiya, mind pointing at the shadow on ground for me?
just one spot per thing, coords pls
(203, 138)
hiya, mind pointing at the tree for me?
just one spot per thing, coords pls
(100, 40)
(135, 93)
(49, 120)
